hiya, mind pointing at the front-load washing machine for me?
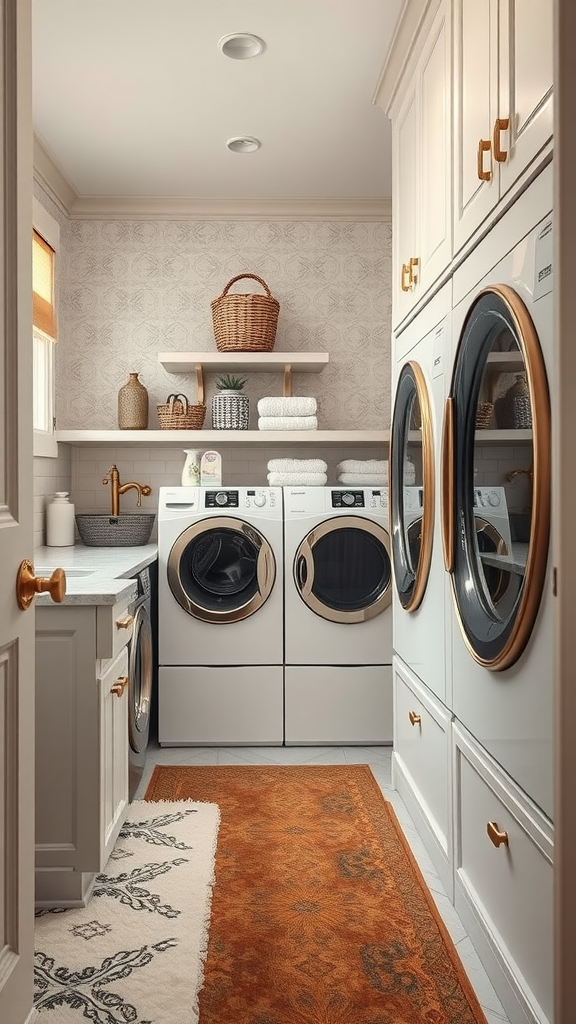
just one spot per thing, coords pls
(141, 673)
(502, 637)
(220, 616)
(338, 644)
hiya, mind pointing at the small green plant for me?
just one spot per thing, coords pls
(228, 382)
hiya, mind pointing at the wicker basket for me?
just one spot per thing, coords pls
(484, 412)
(245, 322)
(177, 414)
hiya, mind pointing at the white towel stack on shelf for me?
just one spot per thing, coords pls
(287, 414)
(297, 473)
(363, 472)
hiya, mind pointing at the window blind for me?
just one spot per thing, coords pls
(44, 312)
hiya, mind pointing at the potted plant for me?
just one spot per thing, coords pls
(230, 408)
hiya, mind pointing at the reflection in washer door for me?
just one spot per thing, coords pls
(342, 569)
(221, 571)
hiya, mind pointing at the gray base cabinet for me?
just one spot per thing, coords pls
(81, 747)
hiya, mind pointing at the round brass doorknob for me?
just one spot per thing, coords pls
(28, 585)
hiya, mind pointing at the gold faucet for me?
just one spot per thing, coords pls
(113, 477)
(521, 472)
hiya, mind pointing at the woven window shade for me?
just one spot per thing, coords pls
(44, 313)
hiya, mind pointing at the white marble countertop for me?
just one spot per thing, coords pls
(94, 575)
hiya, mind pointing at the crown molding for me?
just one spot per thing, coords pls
(311, 208)
(400, 51)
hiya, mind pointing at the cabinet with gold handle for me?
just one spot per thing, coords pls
(119, 686)
(125, 623)
(405, 277)
(415, 718)
(501, 124)
(484, 146)
(496, 835)
(413, 265)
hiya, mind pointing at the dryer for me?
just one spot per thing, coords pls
(338, 642)
(502, 636)
(220, 616)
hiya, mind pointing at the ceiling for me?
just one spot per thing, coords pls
(135, 98)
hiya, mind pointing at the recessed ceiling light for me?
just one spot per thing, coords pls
(241, 45)
(244, 144)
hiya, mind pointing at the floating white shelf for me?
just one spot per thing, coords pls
(500, 436)
(220, 438)
(235, 362)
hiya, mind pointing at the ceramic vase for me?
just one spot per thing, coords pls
(191, 468)
(230, 411)
(133, 405)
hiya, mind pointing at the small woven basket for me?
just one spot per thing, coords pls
(484, 412)
(177, 414)
(245, 322)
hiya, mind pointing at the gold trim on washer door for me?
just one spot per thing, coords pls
(305, 553)
(428, 487)
(448, 485)
(265, 569)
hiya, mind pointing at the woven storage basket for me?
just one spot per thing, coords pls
(177, 414)
(245, 322)
(484, 412)
(514, 410)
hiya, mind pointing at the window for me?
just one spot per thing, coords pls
(45, 244)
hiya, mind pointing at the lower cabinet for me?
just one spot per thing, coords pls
(503, 855)
(421, 765)
(81, 746)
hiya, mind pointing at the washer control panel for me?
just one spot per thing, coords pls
(259, 498)
(489, 497)
(221, 499)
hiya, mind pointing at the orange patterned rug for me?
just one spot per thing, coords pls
(319, 913)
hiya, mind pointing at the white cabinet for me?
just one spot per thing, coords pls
(503, 72)
(421, 166)
(81, 746)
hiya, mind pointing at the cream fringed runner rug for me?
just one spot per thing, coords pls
(136, 952)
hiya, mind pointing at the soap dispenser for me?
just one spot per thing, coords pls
(60, 521)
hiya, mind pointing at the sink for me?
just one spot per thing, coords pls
(101, 530)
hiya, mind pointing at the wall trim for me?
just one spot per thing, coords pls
(209, 208)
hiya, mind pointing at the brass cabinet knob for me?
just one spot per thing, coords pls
(119, 686)
(484, 146)
(405, 277)
(496, 835)
(125, 623)
(415, 719)
(413, 269)
(501, 124)
(28, 585)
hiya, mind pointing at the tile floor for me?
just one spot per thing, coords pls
(379, 759)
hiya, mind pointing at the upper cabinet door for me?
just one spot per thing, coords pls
(405, 203)
(502, 101)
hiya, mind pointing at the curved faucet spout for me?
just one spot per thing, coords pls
(113, 478)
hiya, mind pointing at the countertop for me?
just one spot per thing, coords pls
(109, 577)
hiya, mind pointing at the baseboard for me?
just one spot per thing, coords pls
(403, 782)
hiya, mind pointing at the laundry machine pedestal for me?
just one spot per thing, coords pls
(338, 704)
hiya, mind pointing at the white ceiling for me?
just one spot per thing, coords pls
(134, 97)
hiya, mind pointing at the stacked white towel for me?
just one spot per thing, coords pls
(363, 472)
(297, 473)
(287, 414)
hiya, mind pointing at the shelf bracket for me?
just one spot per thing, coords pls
(287, 391)
(200, 383)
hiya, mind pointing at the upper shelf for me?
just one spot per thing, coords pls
(257, 362)
(218, 438)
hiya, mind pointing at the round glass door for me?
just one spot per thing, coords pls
(342, 569)
(141, 662)
(412, 486)
(496, 453)
(221, 570)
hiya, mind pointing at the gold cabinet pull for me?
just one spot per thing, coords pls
(415, 718)
(484, 146)
(119, 686)
(501, 124)
(495, 835)
(405, 277)
(28, 585)
(413, 269)
(125, 623)
(448, 485)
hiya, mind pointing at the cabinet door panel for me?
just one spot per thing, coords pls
(405, 199)
(435, 167)
(113, 754)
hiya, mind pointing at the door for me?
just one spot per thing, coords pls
(16, 522)
(221, 570)
(342, 569)
(140, 672)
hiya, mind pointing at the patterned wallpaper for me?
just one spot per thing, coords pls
(131, 289)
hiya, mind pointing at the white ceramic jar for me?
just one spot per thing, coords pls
(60, 521)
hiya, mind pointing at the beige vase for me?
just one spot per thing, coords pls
(133, 405)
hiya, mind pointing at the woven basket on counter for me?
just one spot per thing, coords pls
(178, 414)
(245, 322)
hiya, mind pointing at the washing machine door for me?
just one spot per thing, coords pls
(492, 425)
(221, 569)
(342, 569)
(412, 507)
(140, 676)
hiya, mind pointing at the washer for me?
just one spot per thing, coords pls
(141, 674)
(220, 594)
(338, 653)
(508, 710)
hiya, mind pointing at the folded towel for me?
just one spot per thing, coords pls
(287, 406)
(363, 479)
(297, 466)
(297, 479)
(287, 423)
(362, 466)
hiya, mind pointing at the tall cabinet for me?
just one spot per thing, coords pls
(468, 89)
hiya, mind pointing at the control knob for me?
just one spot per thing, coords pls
(493, 499)
(221, 498)
(347, 498)
(260, 500)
